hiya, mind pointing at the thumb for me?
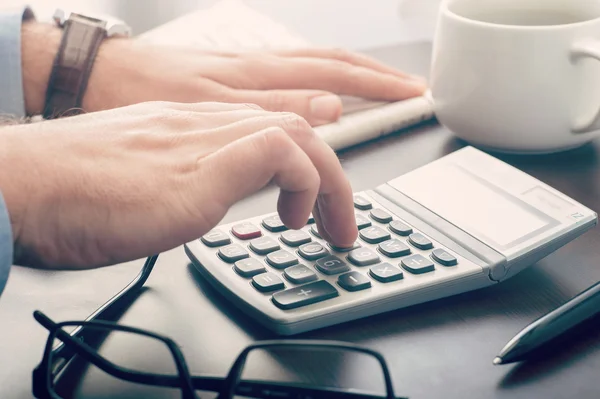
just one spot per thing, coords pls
(316, 106)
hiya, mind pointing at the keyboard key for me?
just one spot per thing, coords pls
(386, 273)
(417, 264)
(394, 248)
(347, 249)
(400, 228)
(314, 231)
(331, 265)
(281, 259)
(299, 274)
(381, 216)
(216, 238)
(311, 219)
(361, 221)
(232, 253)
(353, 281)
(363, 256)
(267, 282)
(361, 203)
(312, 251)
(249, 267)
(443, 257)
(264, 245)
(420, 241)
(306, 294)
(374, 235)
(294, 238)
(273, 223)
(246, 231)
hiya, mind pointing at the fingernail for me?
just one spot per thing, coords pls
(326, 108)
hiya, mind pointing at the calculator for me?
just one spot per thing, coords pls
(462, 222)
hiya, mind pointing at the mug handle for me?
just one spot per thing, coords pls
(586, 49)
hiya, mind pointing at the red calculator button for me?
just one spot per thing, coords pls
(246, 231)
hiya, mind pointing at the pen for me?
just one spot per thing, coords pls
(582, 307)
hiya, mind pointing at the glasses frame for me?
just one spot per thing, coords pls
(75, 343)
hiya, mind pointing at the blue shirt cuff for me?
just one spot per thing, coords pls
(6, 244)
(12, 99)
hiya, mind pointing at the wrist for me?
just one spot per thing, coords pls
(39, 46)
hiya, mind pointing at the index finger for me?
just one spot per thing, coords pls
(334, 208)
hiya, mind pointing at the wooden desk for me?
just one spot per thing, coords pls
(442, 349)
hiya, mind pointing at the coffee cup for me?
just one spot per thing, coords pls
(518, 75)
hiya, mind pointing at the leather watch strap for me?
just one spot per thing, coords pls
(81, 39)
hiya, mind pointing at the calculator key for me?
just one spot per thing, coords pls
(273, 223)
(420, 241)
(281, 259)
(232, 253)
(267, 282)
(312, 251)
(362, 203)
(381, 216)
(443, 257)
(314, 231)
(386, 273)
(354, 281)
(363, 256)
(344, 249)
(216, 238)
(299, 274)
(400, 228)
(361, 221)
(331, 265)
(246, 231)
(306, 294)
(264, 245)
(249, 267)
(417, 264)
(374, 235)
(295, 238)
(394, 248)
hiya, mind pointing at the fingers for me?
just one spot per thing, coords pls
(317, 107)
(310, 73)
(349, 57)
(248, 164)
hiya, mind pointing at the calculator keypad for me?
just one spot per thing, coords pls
(281, 259)
(297, 268)
(374, 234)
(295, 238)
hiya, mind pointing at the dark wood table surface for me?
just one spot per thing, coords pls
(440, 349)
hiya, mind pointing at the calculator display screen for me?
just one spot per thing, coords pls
(477, 206)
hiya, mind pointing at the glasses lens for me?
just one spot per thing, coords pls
(317, 368)
(129, 351)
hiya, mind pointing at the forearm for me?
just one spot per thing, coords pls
(40, 42)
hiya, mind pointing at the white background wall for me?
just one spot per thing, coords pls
(345, 23)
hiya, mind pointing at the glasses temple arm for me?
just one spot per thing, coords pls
(61, 355)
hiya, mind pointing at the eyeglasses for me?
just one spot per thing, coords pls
(63, 349)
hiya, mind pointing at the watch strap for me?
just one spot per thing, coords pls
(72, 66)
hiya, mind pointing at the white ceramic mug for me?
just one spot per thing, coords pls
(518, 75)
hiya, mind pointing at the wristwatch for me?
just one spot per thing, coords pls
(82, 36)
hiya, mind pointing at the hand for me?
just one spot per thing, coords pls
(306, 82)
(112, 186)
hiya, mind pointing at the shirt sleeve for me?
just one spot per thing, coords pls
(6, 244)
(12, 100)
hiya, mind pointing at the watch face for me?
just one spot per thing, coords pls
(114, 26)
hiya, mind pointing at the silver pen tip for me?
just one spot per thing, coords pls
(497, 360)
